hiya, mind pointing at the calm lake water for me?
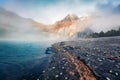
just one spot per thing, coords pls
(21, 59)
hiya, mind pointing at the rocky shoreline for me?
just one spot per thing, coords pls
(89, 59)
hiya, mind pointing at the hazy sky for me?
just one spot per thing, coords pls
(51, 10)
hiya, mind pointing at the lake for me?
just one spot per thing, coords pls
(22, 60)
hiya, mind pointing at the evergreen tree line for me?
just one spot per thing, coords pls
(106, 34)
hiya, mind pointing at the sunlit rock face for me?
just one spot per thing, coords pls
(66, 28)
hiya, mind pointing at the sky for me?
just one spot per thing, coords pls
(46, 10)
(50, 11)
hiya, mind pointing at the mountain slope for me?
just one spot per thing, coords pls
(68, 27)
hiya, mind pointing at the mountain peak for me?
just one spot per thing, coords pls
(71, 17)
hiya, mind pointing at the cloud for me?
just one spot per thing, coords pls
(106, 22)
(109, 6)
(49, 11)
(108, 15)
(117, 9)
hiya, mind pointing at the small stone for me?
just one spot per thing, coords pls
(64, 50)
(37, 79)
(61, 73)
(63, 67)
(100, 60)
(104, 52)
(103, 58)
(43, 71)
(53, 67)
(66, 78)
(94, 48)
(58, 49)
(110, 71)
(118, 63)
(112, 60)
(107, 78)
(116, 74)
(66, 62)
(56, 76)
(117, 66)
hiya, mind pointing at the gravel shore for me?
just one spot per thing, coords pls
(86, 59)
